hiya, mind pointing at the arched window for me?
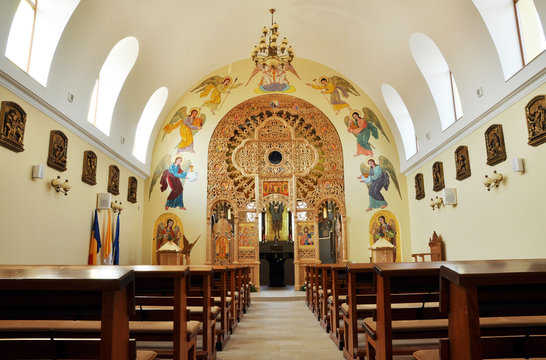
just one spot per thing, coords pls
(108, 85)
(147, 121)
(439, 78)
(516, 30)
(35, 32)
(401, 116)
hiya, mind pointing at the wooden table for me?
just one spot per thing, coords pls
(462, 283)
(59, 289)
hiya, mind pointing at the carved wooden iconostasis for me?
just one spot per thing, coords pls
(267, 153)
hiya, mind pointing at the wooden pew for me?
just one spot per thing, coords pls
(405, 292)
(160, 296)
(246, 287)
(202, 308)
(57, 292)
(232, 281)
(324, 293)
(219, 290)
(472, 291)
(360, 305)
(400, 285)
(338, 275)
(307, 283)
(317, 288)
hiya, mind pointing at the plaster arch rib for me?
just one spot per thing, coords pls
(310, 171)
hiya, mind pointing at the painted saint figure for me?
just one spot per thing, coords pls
(171, 178)
(276, 210)
(187, 125)
(362, 129)
(306, 237)
(214, 87)
(337, 87)
(377, 179)
(168, 232)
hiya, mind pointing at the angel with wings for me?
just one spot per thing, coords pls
(377, 176)
(214, 87)
(189, 125)
(273, 78)
(336, 86)
(173, 175)
(362, 127)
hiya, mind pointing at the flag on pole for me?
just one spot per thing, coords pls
(94, 246)
(107, 248)
(116, 243)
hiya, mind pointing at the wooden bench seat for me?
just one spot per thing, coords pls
(338, 275)
(472, 293)
(506, 347)
(58, 348)
(66, 293)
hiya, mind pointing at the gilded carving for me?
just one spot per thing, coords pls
(462, 163)
(438, 176)
(132, 189)
(58, 148)
(113, 180)
(419, 186)
(260, 153)
(12, 124)
(535, 112)
(89, 171)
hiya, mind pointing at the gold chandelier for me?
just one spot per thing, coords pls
(267, 52)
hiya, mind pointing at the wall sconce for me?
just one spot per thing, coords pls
(116, 207)
(436, 203)
(60, 186)
(492, 181)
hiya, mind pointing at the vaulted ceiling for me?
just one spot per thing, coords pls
(181, 41)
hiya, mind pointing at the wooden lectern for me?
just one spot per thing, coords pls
(382, 251)
(169, 254)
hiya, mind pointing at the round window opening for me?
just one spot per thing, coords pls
(275, 157)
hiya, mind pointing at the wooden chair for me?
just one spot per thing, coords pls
(436, 250)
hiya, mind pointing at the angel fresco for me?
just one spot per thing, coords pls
(336, 86)
(377, 176)
(214, 87)
(362, 127)
(273, 78)
(173, 175)
(189, 125)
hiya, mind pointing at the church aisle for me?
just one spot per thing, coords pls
(279, 330)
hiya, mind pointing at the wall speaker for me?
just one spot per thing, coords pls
(104, 200)
(517, 165)
(38, 171)
(450, 196)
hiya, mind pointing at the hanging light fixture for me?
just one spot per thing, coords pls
(268, 52)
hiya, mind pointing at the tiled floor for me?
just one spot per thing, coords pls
(279, 330)
(286, 293)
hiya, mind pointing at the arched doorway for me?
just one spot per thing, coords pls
(275, 150)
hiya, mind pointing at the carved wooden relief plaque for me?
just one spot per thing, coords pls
(58, 149)
(419, 186)
(535, 112)
(462, 163)
(132, 190)
(12, 126)
(89, 171)
(438, 176)
(494, 141)
(113, 180)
